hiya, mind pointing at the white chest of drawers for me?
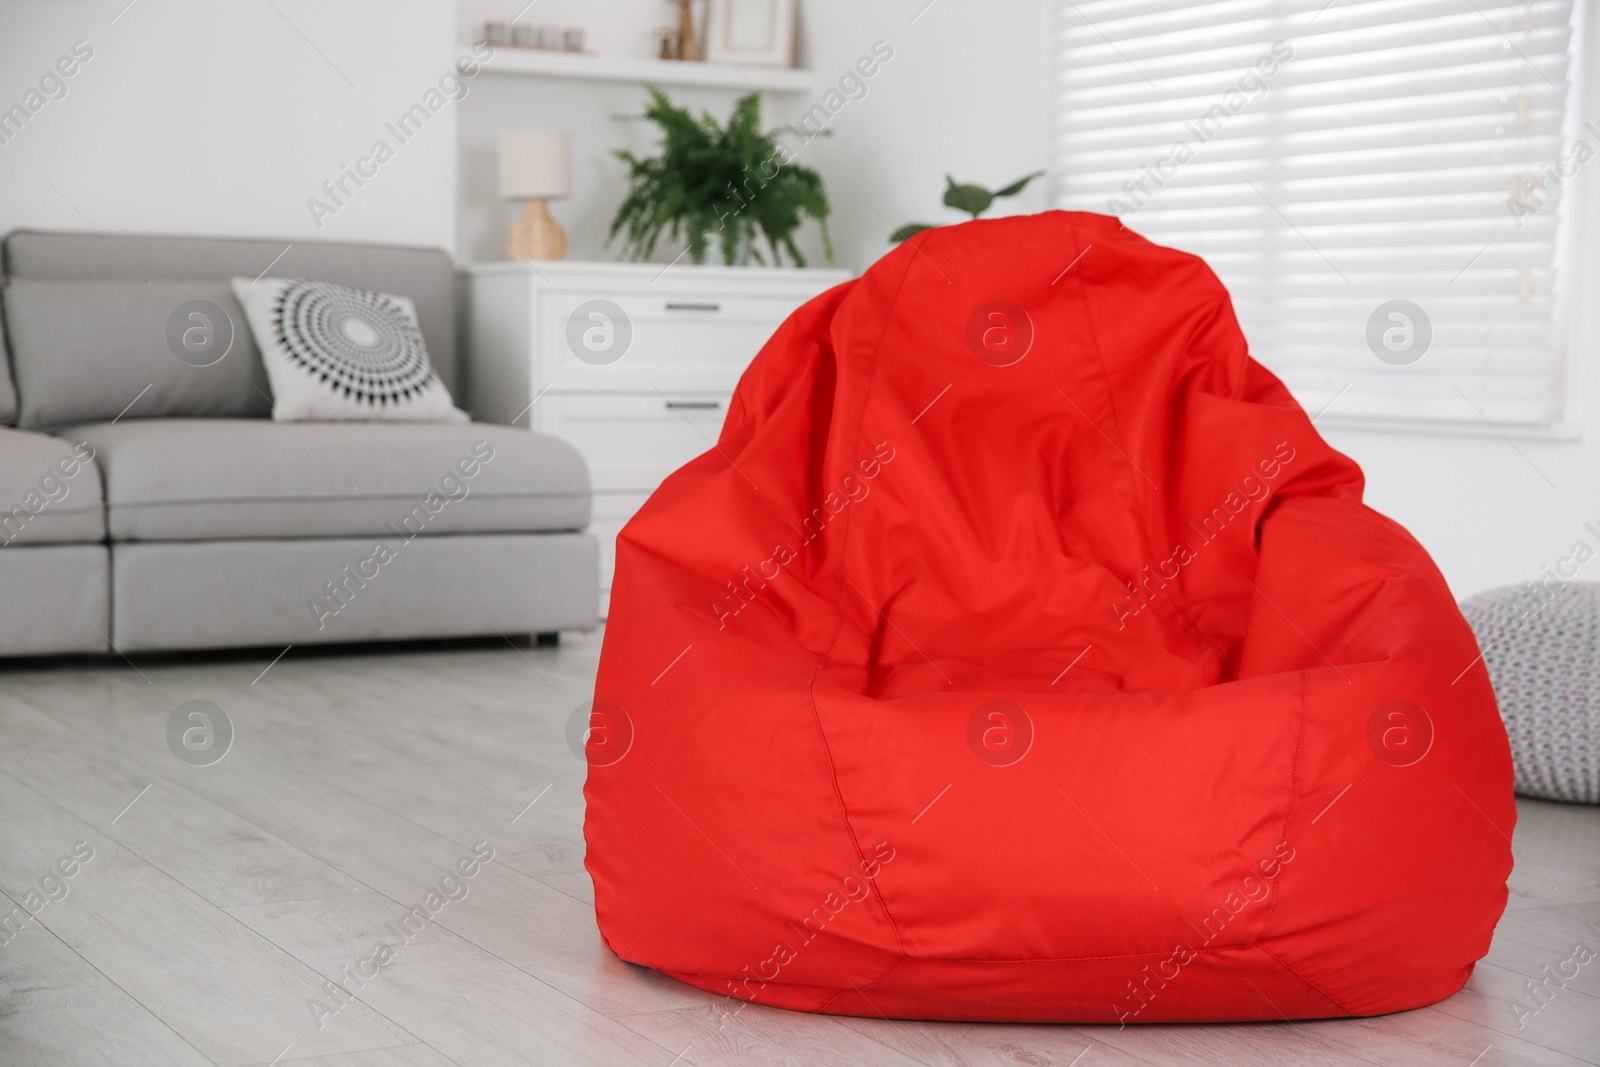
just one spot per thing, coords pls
(632, 364)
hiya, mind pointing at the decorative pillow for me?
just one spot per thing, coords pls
(336, 353)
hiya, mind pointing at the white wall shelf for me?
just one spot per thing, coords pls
(656, 71)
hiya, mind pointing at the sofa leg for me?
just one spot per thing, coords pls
(547, 640)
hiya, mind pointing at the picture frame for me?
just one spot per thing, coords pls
(757, 33)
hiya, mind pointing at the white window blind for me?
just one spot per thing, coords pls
(1379, 183)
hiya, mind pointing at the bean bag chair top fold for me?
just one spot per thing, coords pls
(1021, 652)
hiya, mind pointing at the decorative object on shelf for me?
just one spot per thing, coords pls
(716, 186)
(534, 167)
(537, 38)
(973, 199)
(683, 41)
(689, 49)
(754, 32)
(668, 38)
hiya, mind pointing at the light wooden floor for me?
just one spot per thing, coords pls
(218, 904)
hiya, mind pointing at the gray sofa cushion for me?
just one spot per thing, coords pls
(57, 598)
(90, 349)
(8, 395)
(49, 491)
(425, 275)
(217, 594)
(200, 479)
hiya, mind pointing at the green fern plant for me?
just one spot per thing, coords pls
(963, 196)
(734, 182)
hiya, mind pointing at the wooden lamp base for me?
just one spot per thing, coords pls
(535, 234)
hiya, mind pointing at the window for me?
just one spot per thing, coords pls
(1381, 184)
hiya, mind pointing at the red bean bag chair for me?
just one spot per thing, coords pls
(1022, 653)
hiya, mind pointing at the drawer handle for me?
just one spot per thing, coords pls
(678, 305)
(693, 405)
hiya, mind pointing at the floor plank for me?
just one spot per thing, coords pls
(720, 1035)
(224, 989)
(532, 925)
(56, 1008)
(467, 1003)
(397, 1056)
(992, 1045)
(1569, 1022)
(222, 857)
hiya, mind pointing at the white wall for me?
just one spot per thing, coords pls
(222, 118)
(967, 93)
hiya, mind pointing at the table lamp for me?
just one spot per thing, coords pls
(534, 167)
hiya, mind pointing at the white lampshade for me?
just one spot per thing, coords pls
(533, 163)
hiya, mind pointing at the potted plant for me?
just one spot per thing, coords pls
(720, 188)
(964, 196)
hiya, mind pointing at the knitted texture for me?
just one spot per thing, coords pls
(1542, 648)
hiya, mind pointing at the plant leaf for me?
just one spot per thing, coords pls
(973, 199)
(1017, 186)
(910, 229)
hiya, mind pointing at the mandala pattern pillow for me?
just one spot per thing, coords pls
(336, 353)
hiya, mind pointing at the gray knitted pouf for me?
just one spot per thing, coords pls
(1542, 648)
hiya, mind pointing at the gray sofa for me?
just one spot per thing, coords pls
(147, 502)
